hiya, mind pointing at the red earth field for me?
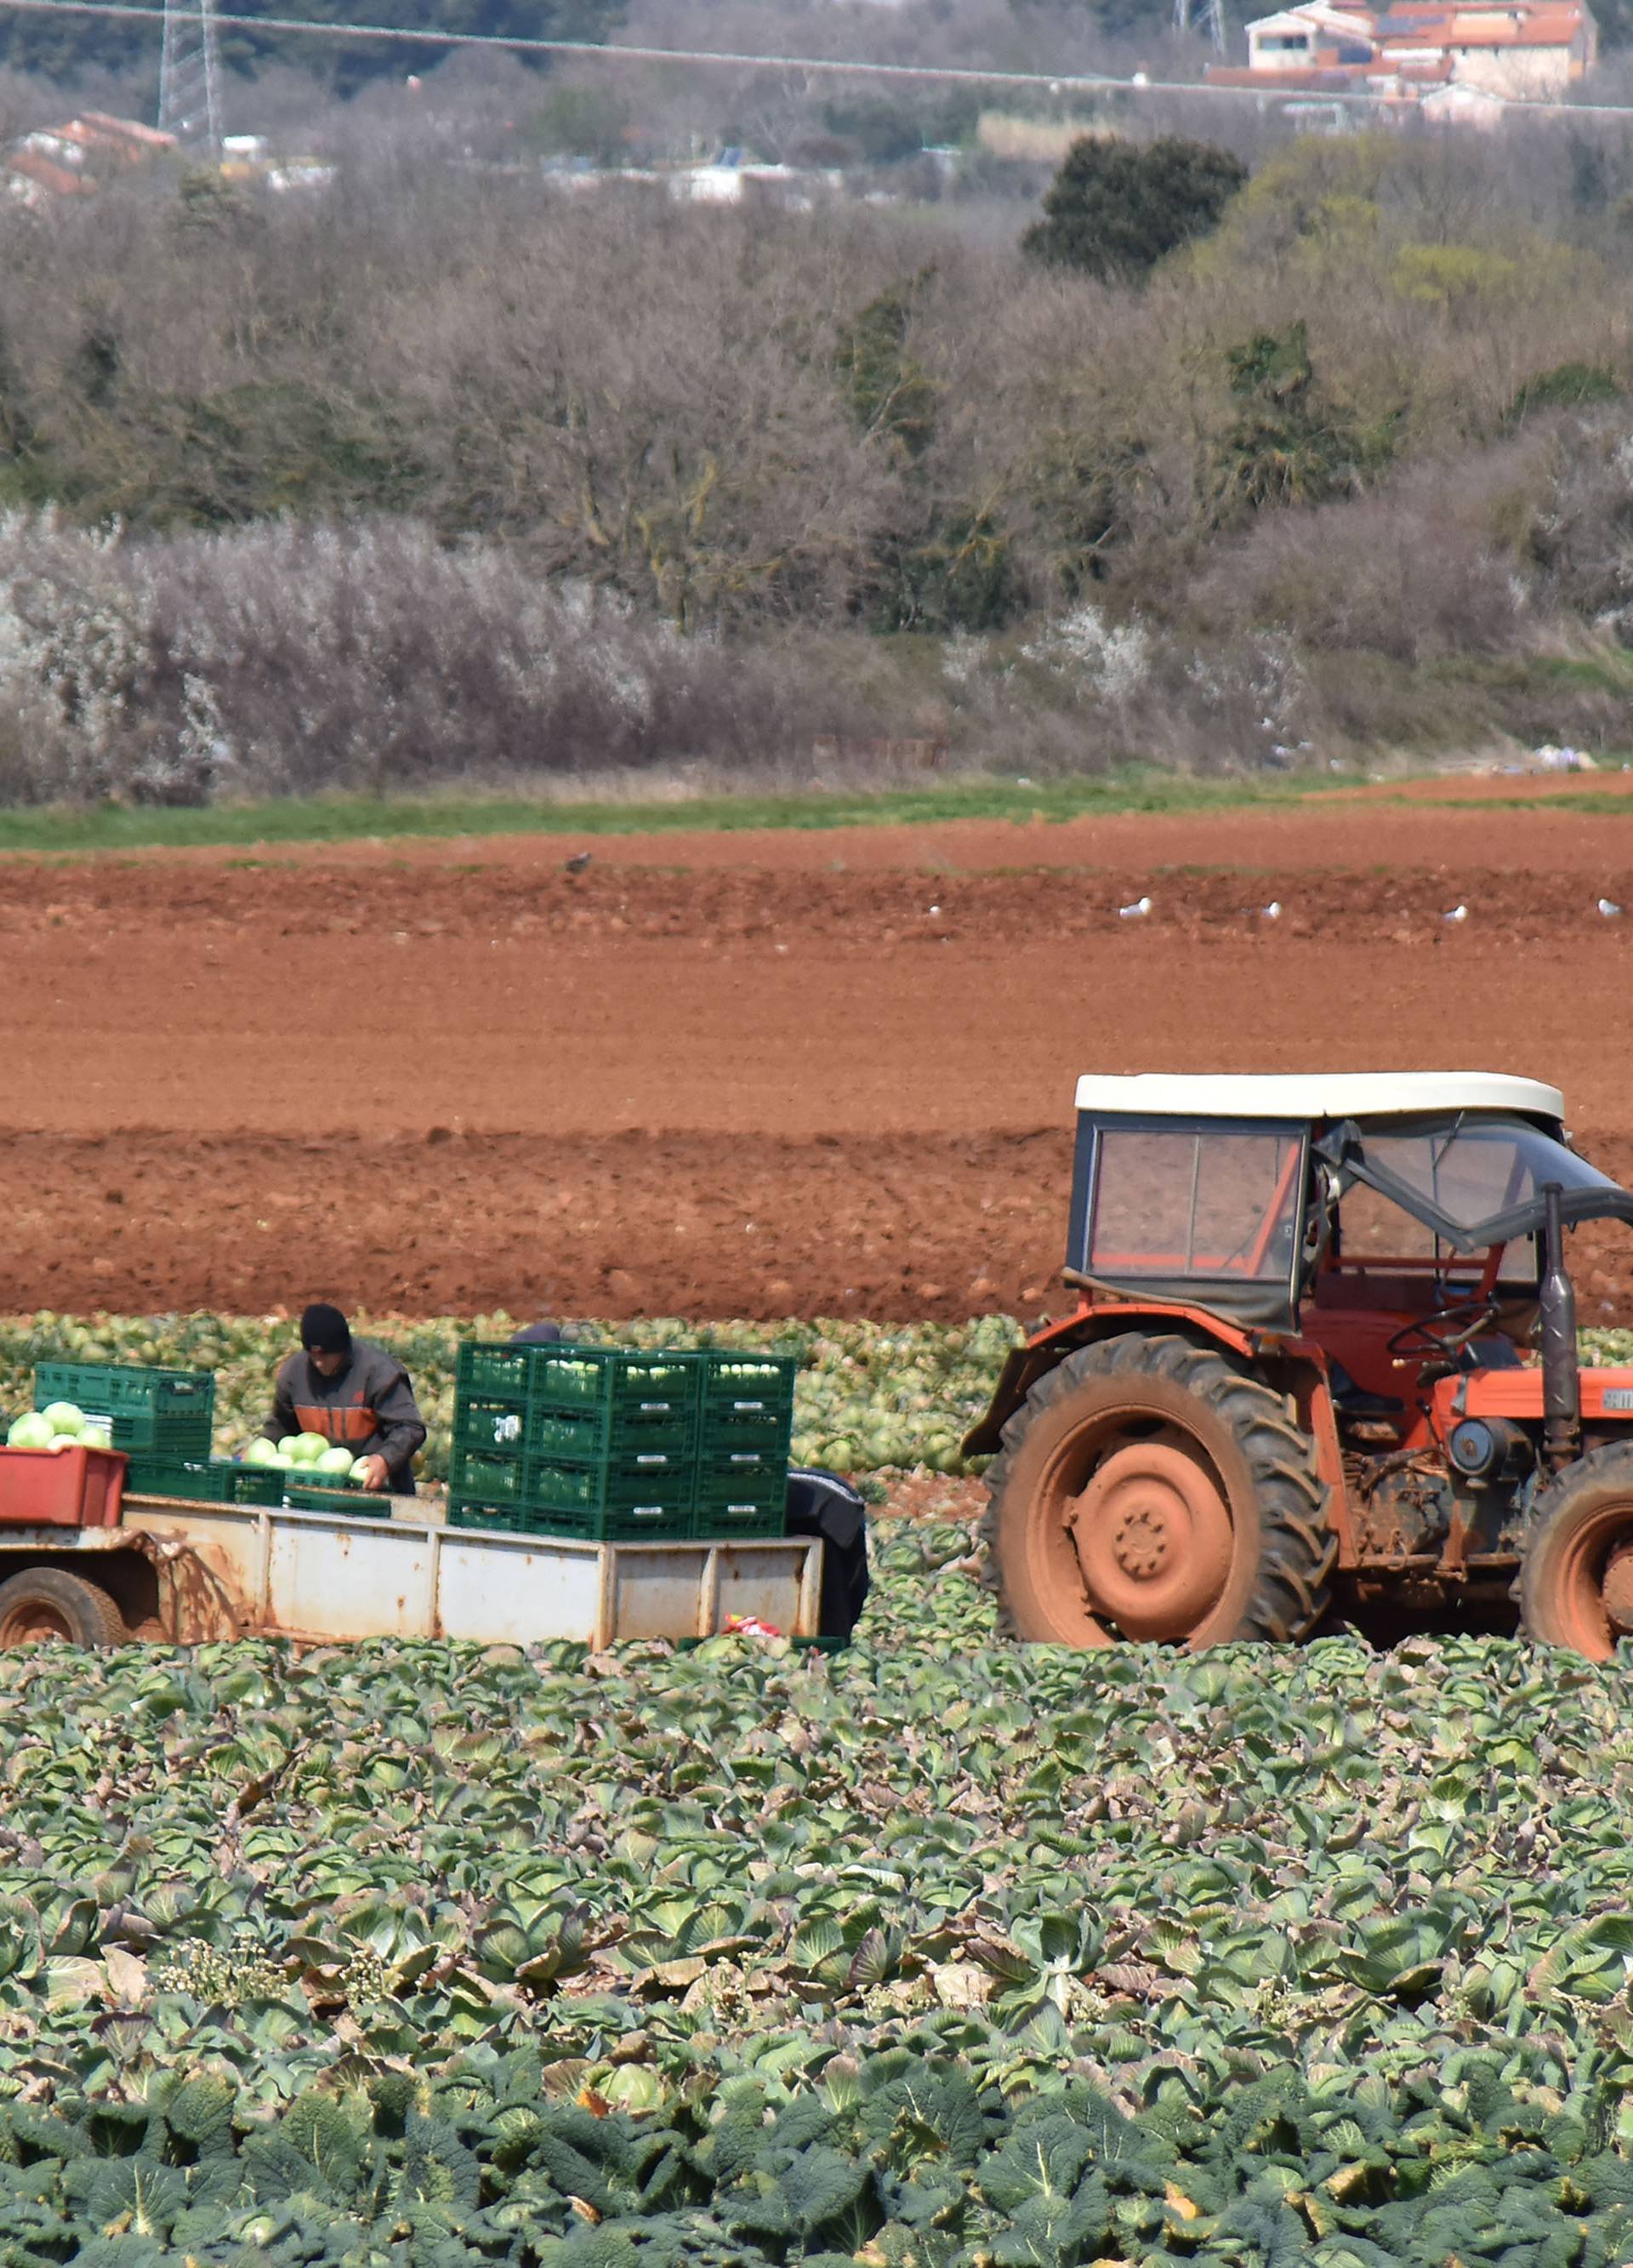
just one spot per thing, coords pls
(811, 1073)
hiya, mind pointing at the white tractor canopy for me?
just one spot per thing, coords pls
(1221, 1186)
(1314, 1099)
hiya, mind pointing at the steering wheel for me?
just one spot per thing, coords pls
(1423, 1336)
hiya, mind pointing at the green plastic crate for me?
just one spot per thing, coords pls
(660, 1385)
(748, 1403)
(487, 1476)
(658, 1518)
(490, 1423)
(491, 1366)
(356, 1503)
(255, 1484)
(198, 1479)
(748, 1382)
(656, 1478)
(168, 1414)
(582, 1436)
(746, 1496)
(508, 1518)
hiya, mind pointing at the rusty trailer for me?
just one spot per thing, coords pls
(185, 1572)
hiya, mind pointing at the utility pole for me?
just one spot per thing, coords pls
(1208, 19)
(189, 72)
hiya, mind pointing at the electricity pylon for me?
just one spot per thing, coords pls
(1207, 17)
(190, 72)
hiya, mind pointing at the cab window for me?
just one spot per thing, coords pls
(1203, 1201)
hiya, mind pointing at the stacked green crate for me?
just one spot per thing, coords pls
(613, 1441)
(486, 1469)
(616, 1444)
(747, 1422)
(567, 1440)
(157, 1414)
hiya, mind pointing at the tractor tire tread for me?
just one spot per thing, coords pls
(1612, 1461)
(1293, 1581)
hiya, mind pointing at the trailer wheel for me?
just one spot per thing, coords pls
(1576, 1580)
(1147, 1489)
(47, 1604)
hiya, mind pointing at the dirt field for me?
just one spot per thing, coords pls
(741, 1074)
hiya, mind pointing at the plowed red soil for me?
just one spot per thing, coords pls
(743, 1074)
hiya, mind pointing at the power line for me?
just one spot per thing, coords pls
(953, 74)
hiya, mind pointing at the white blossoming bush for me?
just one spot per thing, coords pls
(285, 659)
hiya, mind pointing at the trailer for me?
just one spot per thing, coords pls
(177, 1572)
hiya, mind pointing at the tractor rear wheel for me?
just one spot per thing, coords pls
(1148, 1490)
(1576, 1580)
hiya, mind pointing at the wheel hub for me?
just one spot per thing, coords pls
(1142, 1540)
(34, 1625)
(1154, 1540)
(1618, 1589)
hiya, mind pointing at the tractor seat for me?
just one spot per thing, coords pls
(1353, 1401)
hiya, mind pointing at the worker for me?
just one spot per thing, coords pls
(354, 1392)
(537, 1334)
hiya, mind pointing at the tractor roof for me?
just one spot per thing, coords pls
(1308, 1097)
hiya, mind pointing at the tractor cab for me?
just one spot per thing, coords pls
(1396, 1222)
(1326, 1333)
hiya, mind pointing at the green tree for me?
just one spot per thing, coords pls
(1114, 211)
(885, 387)
(1289, 443)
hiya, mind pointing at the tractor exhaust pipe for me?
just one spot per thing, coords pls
(1561, 1381)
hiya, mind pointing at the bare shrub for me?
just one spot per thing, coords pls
(1413, 570)
(1582, 532)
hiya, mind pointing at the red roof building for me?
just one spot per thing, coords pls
(1515, 50)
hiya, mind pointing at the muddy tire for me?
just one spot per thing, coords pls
(44, 1604)
(1576, 1579)
(1148, 1490)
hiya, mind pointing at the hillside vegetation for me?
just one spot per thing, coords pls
(446, 472)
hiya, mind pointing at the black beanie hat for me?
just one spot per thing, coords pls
(325, 1331)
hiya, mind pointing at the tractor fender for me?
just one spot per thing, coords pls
(1296, 1368)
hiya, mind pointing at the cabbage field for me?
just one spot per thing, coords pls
(935, 1953)
(932, 1952)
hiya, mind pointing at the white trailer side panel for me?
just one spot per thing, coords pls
(331, 1575)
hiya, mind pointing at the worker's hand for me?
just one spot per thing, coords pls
(375, 1475)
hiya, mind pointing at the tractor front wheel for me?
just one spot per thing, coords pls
(1576, 1580)
(1148, 1490)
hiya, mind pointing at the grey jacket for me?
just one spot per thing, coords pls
(370, 1407)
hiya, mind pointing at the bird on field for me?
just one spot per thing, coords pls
(1457, 914)
(1272, 912)
(576, 864)
(1141, 907)
(1609, 909)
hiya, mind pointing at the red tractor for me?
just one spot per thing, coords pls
(1325, 1352)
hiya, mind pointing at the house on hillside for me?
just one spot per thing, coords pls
(1413, 53)
(69, 161)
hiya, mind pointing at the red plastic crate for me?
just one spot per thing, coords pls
(61, 1488)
